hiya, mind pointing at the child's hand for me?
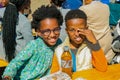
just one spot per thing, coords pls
(88, 34)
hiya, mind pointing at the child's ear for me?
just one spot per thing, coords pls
(38, 33)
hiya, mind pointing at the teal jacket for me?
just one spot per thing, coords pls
(34, 61)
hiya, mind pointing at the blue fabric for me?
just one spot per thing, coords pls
(74, 62)
(72, 4)
(105, 1)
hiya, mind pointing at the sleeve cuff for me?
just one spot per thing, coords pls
(94, 47)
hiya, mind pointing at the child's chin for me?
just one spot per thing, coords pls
(79, 42)
(52, 44)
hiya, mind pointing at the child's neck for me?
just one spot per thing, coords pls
(74, 46)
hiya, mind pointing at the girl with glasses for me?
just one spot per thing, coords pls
(35, 60)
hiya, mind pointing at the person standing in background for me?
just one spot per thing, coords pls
(98, 21)
(58, 4)
(16, 28)
(72, 4)
(114, 14)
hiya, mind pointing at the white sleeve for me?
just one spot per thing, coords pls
(2, 10)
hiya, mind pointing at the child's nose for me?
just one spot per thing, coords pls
(77, 32)
(52, 33)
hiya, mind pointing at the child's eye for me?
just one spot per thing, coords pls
(45, 32)
(72, 30)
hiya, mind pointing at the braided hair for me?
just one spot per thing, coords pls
(10, 20)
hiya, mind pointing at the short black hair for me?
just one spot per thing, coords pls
(49, 11)
(75, 14)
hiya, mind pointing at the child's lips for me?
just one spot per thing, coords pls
(78, 39)
(52, 40)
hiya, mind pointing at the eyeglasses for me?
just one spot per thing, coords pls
(48, 31)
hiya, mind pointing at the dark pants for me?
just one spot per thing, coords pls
(1, 72)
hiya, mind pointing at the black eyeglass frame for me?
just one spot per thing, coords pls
(47, 32)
